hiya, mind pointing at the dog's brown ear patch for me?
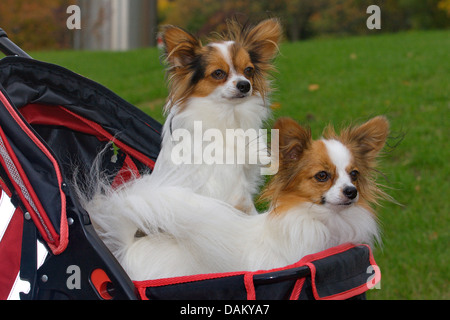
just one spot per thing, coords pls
(180, 46)
(294, 139)
(367, 139)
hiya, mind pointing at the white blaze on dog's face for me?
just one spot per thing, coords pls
(343, 192)
(227, 72)
(336, 171)
(236, 77)
(230, 69)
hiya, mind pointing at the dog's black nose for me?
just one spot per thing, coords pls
(243, 86)
(350, 192)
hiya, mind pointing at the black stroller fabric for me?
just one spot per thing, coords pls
(52, 121)
(342, 272)
(67, 110)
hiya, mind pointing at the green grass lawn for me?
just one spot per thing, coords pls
(404, 76)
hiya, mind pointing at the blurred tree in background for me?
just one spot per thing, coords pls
(308, 18)
(42, 24)
(36, 24)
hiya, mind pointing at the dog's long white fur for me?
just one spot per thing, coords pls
(232, 183)
(188, 233)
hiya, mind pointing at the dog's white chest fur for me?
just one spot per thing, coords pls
(230, 181)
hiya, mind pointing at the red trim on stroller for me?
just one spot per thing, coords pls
(349, 293)
(58, 116)
(57, 243)
(10, 250)
(249, 275)
(61, 116)
(297, 289)
(142, 285)
(249, 286)
(128, 171)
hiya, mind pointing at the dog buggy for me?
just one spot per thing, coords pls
(52, 120)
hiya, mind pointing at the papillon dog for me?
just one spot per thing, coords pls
(322, 196)
(222, 85)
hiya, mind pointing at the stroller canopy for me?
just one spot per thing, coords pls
(64, 121)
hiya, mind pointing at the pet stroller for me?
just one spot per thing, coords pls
(52, 120)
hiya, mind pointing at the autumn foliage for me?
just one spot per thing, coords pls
(42, 24)
(36, 24)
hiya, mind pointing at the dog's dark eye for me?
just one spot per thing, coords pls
(354, 175)
(322, 176)
(218, 74)
(249, 71)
